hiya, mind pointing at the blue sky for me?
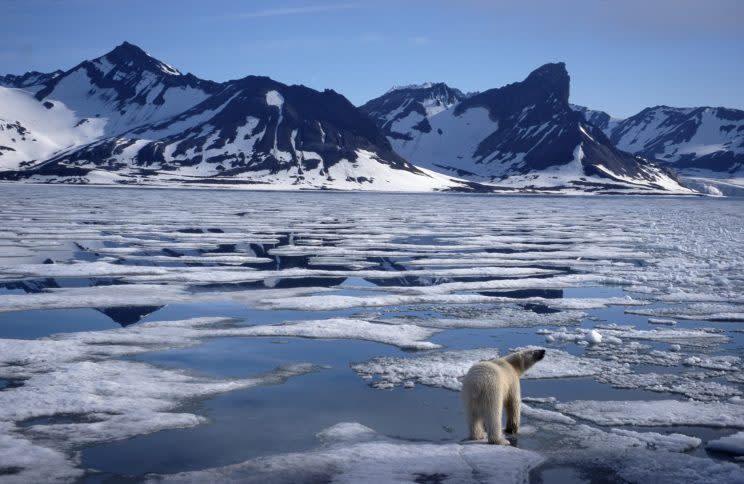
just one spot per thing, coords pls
(622, 55)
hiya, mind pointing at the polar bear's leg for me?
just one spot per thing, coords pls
(473, 412)
(513, 408)
(492, 419)
(475, 422)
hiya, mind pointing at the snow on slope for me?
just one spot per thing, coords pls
(692, 140)
(32, 131)
(367, 172)
(689, 138)
(126, 88)
(45, 114)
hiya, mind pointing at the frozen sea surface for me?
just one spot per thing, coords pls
(199, 336)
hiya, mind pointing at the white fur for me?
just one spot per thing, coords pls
(490, 385)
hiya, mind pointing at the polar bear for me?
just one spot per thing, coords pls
(491, 384)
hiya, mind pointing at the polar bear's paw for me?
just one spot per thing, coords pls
(499, 441)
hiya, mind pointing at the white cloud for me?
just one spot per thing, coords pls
(275, 12)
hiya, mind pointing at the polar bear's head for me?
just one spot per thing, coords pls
(523, 360)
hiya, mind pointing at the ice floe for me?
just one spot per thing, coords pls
(719, 312)
(690, 385)
(438, 369)
(403, 335)
(499, 317)
(76, 375)
(432, 295)
(445, 368)
(116, 399)
(615, 334)
(731, 444)
(657, 412)
(351, 452)
(672, 442)
(137, 295)
(636, 353)
(639, 465)
(24, 462)
(714, 362)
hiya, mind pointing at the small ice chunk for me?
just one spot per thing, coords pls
(675, 348)
(593, 337)
(662, 321)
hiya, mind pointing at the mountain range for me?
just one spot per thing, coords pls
(128, 118)
(524, 135)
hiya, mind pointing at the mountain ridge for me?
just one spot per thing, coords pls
(126, 117)
(145, 122)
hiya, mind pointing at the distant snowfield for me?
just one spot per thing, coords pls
(426, 284)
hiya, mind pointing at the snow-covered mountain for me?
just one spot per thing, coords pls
(523, 135)
(418, 103)
(44, 114)
(692, 140)
(127, 117)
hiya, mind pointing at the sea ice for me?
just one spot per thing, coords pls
(614, 334)
(594, 337)
(23, 461)
(406, 336)
(720, 312)
(689, 385)
(74, 375)
(714, 362)
(445, 368)
(657, 412)
(731, 444)
(499, 317)
(662, 321)
(354, 453)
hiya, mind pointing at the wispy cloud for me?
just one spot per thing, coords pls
(276, 12)
(420, 40)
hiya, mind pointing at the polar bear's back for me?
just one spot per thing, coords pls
(488, 378)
